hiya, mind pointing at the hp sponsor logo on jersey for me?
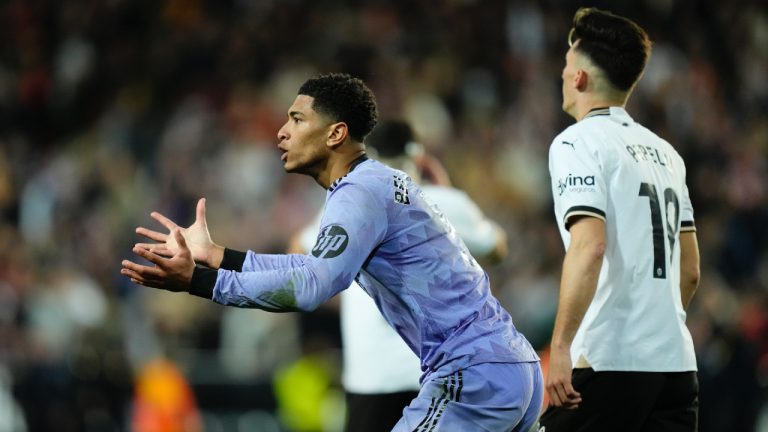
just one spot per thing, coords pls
(331, 242)
(576, 184)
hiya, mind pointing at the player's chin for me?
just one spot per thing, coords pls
(292, 168)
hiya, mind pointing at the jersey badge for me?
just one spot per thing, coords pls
(401, 191)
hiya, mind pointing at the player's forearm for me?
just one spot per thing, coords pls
(297, 286)
(690, 272)
(581, 269)
(231, 259)
(688, 289)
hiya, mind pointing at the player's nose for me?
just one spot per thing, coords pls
(282, 135)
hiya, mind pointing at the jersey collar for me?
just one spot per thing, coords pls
(616, 113)
(360, 159)
(594, 112)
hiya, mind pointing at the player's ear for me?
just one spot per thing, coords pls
(580, 80)
(337, 133)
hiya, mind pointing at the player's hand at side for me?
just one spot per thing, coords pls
(559, 387)
(172, 273)
(204, 251)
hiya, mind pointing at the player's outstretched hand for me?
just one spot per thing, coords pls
(204, 251)
(559, 387)
(172, 273)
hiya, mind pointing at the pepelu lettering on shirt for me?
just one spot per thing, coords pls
(641, 153)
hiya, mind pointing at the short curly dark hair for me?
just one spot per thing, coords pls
(615, 44)
(345, 98)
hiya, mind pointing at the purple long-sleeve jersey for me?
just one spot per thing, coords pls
(378, 229)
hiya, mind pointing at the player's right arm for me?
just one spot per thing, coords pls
(353, 225)
(203, 250)
(580, 196)
(581, 269)
(690, 272)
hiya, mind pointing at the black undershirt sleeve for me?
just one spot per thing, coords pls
(204, 279)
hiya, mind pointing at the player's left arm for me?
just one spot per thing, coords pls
(690, 272)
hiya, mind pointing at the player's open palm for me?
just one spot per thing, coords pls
(559, 386)
(173, 273)
(197, 237)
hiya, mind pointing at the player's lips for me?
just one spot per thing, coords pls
(284, 156)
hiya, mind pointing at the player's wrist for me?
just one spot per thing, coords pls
(214, 256)
(561, 346)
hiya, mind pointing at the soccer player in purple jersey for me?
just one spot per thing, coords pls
(377, 228)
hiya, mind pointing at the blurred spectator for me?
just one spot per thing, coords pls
(164, 401)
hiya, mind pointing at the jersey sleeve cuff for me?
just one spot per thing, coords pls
(687, 226)
(233, 260)
(203, 282)
(582, 211)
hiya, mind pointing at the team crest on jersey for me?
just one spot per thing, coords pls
(576, 184)
(331, 242)
(401, 191)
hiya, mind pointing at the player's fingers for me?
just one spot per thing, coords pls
(572, 401)
(554, 396)
(163, 220)
(151, 257)
(156, 248)
(139, 272)
(561, 394)
(138, 279)
(152, 235)
(571, 404)
(151, 246)
(572, 393)
(553, 399)
(200, 210)
(135, 277)
(180, 240)
(572, 397)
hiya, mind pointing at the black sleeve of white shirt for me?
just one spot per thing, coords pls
(204, 278)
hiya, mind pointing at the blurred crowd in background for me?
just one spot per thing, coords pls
(110, 109)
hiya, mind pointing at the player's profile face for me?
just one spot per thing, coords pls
(302, 138)
(568, 74)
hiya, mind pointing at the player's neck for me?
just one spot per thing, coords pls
(593, 102)
(340, 164)
(584, 111)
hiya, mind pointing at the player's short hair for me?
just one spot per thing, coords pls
(390, 138)
(613, 43)
(343, 98)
